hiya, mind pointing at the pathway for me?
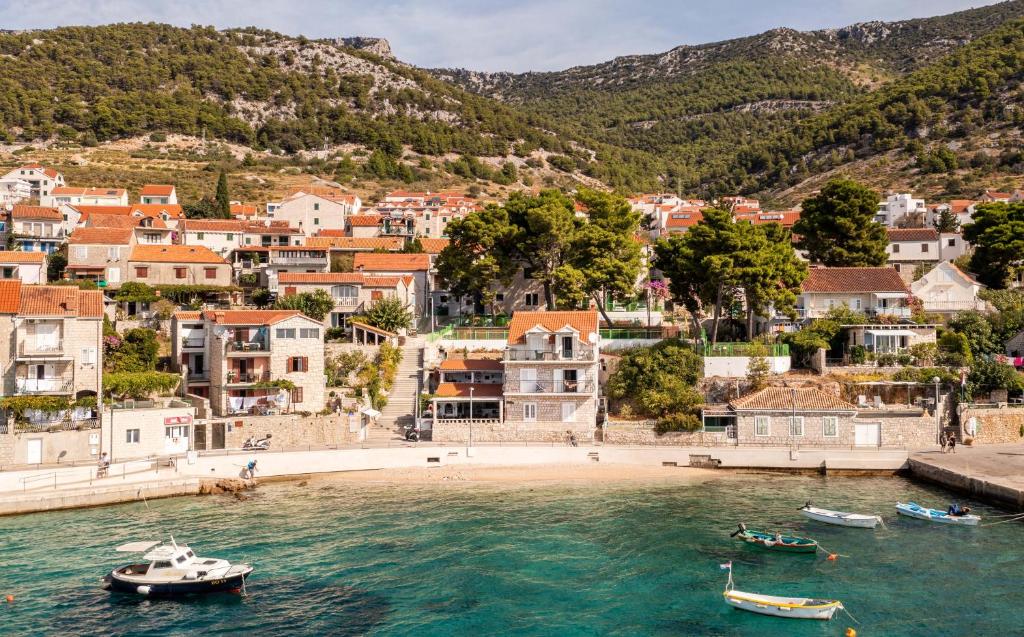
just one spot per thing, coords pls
(994, 473)
(401, 407)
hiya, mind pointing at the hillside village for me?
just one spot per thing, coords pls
(319, 318)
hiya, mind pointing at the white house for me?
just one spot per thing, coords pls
(158, 193)
(874, 291)
(947, 289)
(28, 267)
(41, 180)
(962, 208)
(314, 209)
(899, 209)
(14, 190)
(911, 247)
(85, 197)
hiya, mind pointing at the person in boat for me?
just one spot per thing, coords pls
(956, 510)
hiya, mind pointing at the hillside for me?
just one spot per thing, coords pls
(705, 110)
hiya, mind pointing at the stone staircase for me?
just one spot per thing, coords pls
(401, 407)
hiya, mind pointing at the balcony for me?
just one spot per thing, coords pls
(901, 312)
(199, 376)
(249, 347)
(549, 355)
(310, 260)
(193, 343)
(33, 347)
(35, 386)
(553, 387)
(346, 301)
(248, 378)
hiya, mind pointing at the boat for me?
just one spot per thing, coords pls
(777, 606)
(914, 510)
(840, 518)
(173, 569)
(776, 541)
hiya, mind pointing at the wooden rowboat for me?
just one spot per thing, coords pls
(914, 510)
(776, 541)
(776, 606)
(840, 518)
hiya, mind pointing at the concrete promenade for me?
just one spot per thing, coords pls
(46, 489)
(993, 473)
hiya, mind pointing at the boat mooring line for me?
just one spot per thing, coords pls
(1013, 519)
(851, 615)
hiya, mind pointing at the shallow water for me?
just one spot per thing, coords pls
(337, 558)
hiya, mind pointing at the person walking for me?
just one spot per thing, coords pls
(943, 441)
(952, 442)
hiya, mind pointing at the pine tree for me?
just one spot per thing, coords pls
(837, 226)
(223, 198)
(947, 221)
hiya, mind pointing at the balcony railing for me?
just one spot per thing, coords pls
(199, 375)
(188, 343)
(346, 301)
(549, 355)
(32, 347)
(44, 385)
(310, 260)
(249, 346)
(234, 378)
(553, 387)
(903, 312)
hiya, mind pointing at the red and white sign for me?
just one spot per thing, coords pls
(178, 420)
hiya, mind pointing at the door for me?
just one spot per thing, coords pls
(567, 347)
(218, 435)
(528, 380)
(559, 378)
(199, 437)
(867, 435)
(34, 452)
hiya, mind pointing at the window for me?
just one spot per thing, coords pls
(309, 332)
(152, 237)
(181, 559)
(141, 272)
(316, 206)
(895, 248)
(199, 235)
(951, 243)
(231, 236)
(316, 221)
(568, 412)
(344, 292)
(88, 356)
(177, 431)
(113, 252)
(285, 332)
(162, 564)
(132, 436)
(180, 272)
(530, 412)
(211, 273)
(796, 425)
(857, 302)
(248, 241)
(297, 395)
(532, 299)
(376, 295)
(762, 425)
(298, 364)
(830, 426)
(290, 290)
(924, 247)
(81, 252)
(500, 296)
(896, 266)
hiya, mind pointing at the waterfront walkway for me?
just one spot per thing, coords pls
(994, 473)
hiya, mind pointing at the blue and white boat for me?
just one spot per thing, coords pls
(914, 510)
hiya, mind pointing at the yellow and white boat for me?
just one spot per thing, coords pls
(791, 607)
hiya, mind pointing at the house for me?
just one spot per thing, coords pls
(37, 228)
(678, 220)
(952, 246)
(268, 263)
(1015, 348)
(27, 267)
(424, 214)
(785, 218)
(14, 190)
(901, 210)
(251, 361)
(41, 179)
(244, 211)
(312, 209)
(946, 289)
(910, 248)
(874, 291)
(353, 293)
(52, 345)
(363, 226)
(469, 389)
(158, 194)
(100, 254)
(357, 244)
(994, 196)
(417, 265)
(887, 338)
(962, 208)
(809, 417)
(85, 196)
(220, 235)
(267, 233)
(178, 265)
(552, 364)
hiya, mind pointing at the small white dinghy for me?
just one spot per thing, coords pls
(914, 510)
(776, 606)
(840, 518)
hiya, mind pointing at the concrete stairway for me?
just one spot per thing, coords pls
(401, 407)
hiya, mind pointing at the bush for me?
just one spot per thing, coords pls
(858, 354)
(677, 422)
(334, 333)
(158, 137)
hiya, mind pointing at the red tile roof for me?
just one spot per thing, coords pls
(250, 317)
(584, 322)
(49, 172)
(351, 278)
(461, 390)
(434, 246)
(913, 234)
(87, 192)
(60, 300)
(174, 254)
(356, 244)
(212, 225)
(101, 236)
(156, 190)
(784, 399)
(17, 256)
(246, 209)
(854, 280)
(172, 210)
(10, 296)
(471, 364)
(36, 212)
(784, 217)
(87, 211)
(960, 206)
(188, 315)
(364, 221)
(684, 218)
(376, 262)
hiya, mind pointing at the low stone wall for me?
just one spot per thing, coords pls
(292, 432)
(642, 433)
(994, 426)
(554, 432)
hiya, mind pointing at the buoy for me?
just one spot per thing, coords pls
(143, 590)
(9, 598)
(832, 557)
(851, 632)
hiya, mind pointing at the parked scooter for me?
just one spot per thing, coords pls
(412, 433)
(252, 444)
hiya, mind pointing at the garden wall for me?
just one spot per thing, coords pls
(994, 426)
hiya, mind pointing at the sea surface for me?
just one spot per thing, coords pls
(336, 558)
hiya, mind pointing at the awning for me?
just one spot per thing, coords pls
(892, 295)
(369, 411)
(891, 332)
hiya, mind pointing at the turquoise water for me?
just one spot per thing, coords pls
(339, 558)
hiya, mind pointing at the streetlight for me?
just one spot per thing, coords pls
(938, 416)
(469, 442)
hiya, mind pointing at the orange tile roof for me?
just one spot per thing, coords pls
(101, 236)
(156, 190)
(243, 209)
(60, 300)
(212, 225)
(352, 278)
(49, 172)
(174, 254)
(17, 256)
(854, 280)
(364, 221)
(960, 206)
(584, 322)
(434, 246)
(785, 218)
(461, 390)
(188, 315)
(913, 234)
(357, 243)
(784, 398)
(149, 209)
(103, 210)
(684, 218)
(110, 221)
(35, 212)
(87, 192)
(471, 364)
(250, 317)
(10, 296)
(376, 262)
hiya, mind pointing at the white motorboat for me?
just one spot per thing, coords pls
(914, 510)
(173, 569)
(840, 518)
(778, 606)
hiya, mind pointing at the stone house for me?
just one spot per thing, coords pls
(100, 254)
(552, 364)
(177, 265)
(268, 263)
(234, 357)
(874, 291)
(466, 388)
(946, 289)
(912, 247)
(353, 293)
(414, 265)
(27, 267)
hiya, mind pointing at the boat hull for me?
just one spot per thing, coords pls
(118, 583)
(788, 607)
(788, 545)
(840, 518)
(934, 515)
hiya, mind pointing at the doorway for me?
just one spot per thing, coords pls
(34, 452)
(218, 435)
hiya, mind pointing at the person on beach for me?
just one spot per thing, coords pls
(104, 465)
(943, 441)
(250, 469)
(952, 442)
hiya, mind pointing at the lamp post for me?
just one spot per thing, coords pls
(469, 441)
(938, 416)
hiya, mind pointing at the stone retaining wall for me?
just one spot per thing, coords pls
(994, 426)
(292, 431)
(642, 433)
(554, 432)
